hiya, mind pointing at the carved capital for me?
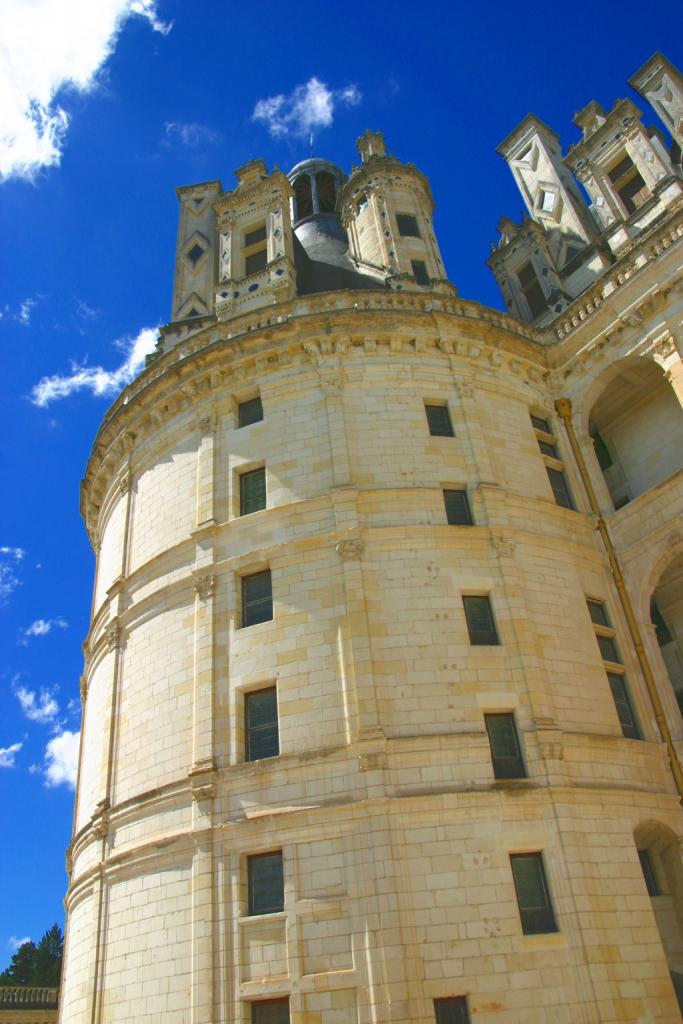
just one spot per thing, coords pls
(124, 484)
(112, 635)
(205, 585)
(100, 819)
(664, 346)
(505, 546)
(84, 689)
(208, 424)
(349, 549)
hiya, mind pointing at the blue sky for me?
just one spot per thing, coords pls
(128, 100)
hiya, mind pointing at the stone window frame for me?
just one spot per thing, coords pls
(615, 669)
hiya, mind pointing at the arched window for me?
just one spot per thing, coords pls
(303, 197)
(666, 614)
(327, 192)
(660, 862)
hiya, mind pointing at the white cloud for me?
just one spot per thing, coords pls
(8, 755)
(9, 581)
(47, 46)
(14, 943)
(24, 314)
(41, 708)
(41, 627)
(306, 108)
(189, 133)
(61, 755)
(95, 379)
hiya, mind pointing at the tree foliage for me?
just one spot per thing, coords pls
(37, 964)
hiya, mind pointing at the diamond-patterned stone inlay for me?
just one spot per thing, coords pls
(195, 253)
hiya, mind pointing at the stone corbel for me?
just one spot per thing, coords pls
(202, 776)
(112, 635)
(204, 584)
(351, 548)
(100, 819)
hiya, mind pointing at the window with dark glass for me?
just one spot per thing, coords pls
(255, 250)
(457, 508)
(439, 421)
(548, 449)
(533, 897)
(480, 623)
(252, 491)
(598, 613)
(303, 197)
(622, 703)
(270, 1011)
(560, 488)
(602, 452)
(407, 225)
(649, 873)
(662, 631)
(452, 1010)
(249, 412)
(506, 754)
(261, 724)
(420, 272)
(540, 424)
(327, 192)
(266, 883)
(531, 290)
(608, 648)
(257, 598)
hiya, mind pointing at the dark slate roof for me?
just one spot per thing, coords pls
(321, 257)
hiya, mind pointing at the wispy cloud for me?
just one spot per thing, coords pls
(50, 45)
(38, 707)
(306, 108)
(41, 627)
(61, 757)
(9, 560)
(95, 379)
(188, 133)
(86, 312)
(8, 755)
(24, 314)
(14, 943)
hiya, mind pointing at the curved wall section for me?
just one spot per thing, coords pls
(396, 643)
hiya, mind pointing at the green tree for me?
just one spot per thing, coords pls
(37, 965)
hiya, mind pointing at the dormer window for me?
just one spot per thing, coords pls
(628, 184)
(531, 290)
(255, 250)
(327, 192)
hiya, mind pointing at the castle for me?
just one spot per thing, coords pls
(380, 717)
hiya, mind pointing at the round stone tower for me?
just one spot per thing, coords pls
(367, 735)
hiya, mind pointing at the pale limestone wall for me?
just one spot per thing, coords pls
(395, 835)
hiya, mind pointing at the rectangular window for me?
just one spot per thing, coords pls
(560, 488)
(266, 883)
(608, 648)
(407, 225)
(439, 421)
(533, 898)
(548, 449)
(261, 724)
(254, 262)
(649, 873)
(457, 508)
(270, 1011)
(505, 751)
(257, 598)
(420, 271)
(622, 703)
(531, 290)
(257, 235)
(252, 491)
(480, 623)
(596, 610)
(249, 412)
(540, 424)
(628, 184)
(452, 1010)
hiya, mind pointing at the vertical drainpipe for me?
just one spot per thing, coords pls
(564, 410)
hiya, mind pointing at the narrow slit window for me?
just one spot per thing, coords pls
(252, 491)
(257, 598)
(506, 754)
(649, 873)
(439, 421)
(249, 412)
(533, 898)
(261, 724)
(560, 488)
(266, 883)
(457, 508)
(480, 622)
(452, 1010)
